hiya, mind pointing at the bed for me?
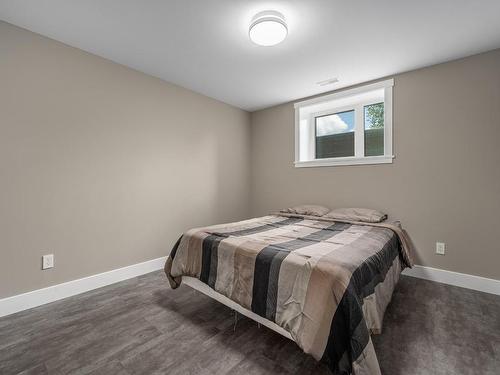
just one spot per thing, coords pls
(322, 283)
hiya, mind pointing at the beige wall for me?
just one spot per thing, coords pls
(104, 166)
(444, 183)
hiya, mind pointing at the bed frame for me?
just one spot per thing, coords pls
(205, 289)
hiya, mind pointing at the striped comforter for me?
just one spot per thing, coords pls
(327, 283)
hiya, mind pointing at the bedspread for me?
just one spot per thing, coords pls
(326, 282)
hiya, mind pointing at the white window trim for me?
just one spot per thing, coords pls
(358, 159)
(351, 160)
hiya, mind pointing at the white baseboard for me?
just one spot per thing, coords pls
(11, 305)
(20, 302)
(463, 280)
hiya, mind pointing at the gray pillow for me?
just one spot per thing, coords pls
(307, 209)
(357, 214)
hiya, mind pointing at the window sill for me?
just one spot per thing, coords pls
(332, 162)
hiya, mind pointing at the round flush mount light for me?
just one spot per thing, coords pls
(268, 28)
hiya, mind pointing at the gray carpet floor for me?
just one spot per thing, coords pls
(140, 326)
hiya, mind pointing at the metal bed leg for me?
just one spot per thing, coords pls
(235, 320)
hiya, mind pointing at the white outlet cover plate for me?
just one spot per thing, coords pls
(440, 248)
(47, 261)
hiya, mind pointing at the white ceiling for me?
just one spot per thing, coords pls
(203, 44)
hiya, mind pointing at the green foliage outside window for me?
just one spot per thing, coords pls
(375, 114)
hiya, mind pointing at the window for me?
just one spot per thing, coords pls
(348, 127)
(374, 129)
(335, 135)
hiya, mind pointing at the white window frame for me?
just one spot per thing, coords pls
(359, 138)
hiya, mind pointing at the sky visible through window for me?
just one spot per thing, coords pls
(342, 122)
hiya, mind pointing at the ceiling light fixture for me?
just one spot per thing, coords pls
(268, 28)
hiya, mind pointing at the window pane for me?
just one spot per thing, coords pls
(335, 135)
(374, 129)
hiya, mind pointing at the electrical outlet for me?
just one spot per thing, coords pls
(47, 261)
(440, 248)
